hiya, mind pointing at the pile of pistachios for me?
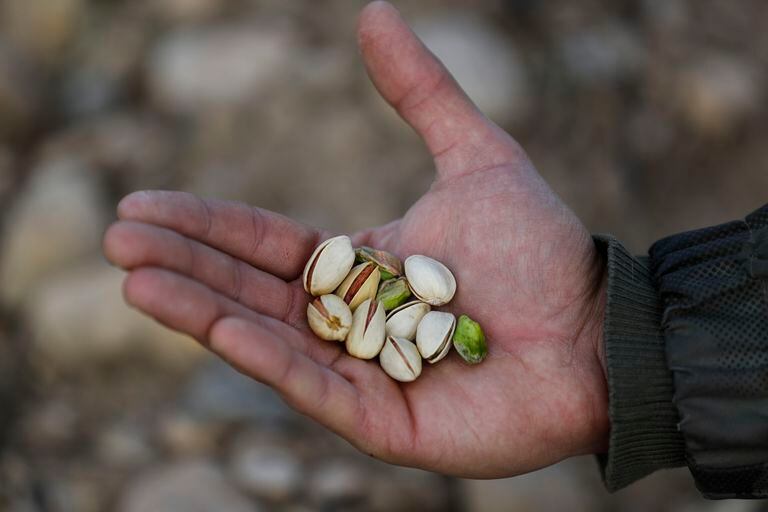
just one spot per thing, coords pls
(379, 306)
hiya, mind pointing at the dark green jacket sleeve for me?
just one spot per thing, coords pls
(686, 345)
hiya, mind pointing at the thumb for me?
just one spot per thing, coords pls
(422, 91)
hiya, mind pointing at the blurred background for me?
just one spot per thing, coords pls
(647, 117)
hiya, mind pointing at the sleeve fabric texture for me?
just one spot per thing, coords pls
(686, 347)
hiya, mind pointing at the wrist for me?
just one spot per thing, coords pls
(598, 331)
(593, 341)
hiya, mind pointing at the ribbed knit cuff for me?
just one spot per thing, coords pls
(644, 435)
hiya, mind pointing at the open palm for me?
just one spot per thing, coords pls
(229, 275)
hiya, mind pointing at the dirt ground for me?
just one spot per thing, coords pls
(647, 117)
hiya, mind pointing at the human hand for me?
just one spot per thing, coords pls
(527, 270)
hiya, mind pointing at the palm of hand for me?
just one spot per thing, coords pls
(526, 270)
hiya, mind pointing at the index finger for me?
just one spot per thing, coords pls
(267, 240)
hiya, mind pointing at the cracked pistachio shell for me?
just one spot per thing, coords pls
(329, 317)
(328, 265)
(430, 280)
(400, 359)
(366, 336)
(361, 284)
(389, 265)
(393, 293)
(469, 340)
(433, 336)
(403, 321)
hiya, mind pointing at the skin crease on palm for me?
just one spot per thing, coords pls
(229, 275)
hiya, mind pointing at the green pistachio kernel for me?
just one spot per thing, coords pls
(389, 265)
(469, 340)
(385, 274)
(393, 293)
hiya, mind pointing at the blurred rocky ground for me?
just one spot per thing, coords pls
(646, 116)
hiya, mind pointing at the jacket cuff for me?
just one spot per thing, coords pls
(644, 436)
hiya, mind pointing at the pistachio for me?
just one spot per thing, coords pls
(361, 283)
(366, 336)
(329, 317)
(393, 293)
(469, 340)
(354, 289)
(430, 280)
(389, 265)
(403, 321)
(328, 265)
(433, 336)
(400, 359)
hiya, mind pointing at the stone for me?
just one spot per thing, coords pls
(51, 425)
(219, 67)
(297, 507)
(326, 69)
(716, 92)
(79, 319)
(218, 393)
(19, 96)
(650, 133)
(103, 70)
(535, 491)
(183, 435)
(723, 506)
(26, 504)
(56, 221)
(188, 11)
(669, 15)
(665, 490)
(269, 472)
(186, 486)
(602, 54)
(76, 490)
(41, 29)
(11, 386)
(124, 445)
(482, 59)
(137, 151)
(7, 163)
(87, 91)
(401, 489)
(338, 482)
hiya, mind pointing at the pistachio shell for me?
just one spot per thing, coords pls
(433, 336)
(400, 359)
(329, 317)
(469, 340)
(430, 280)
(393, 293)
(366, 336)
(403, 321)
(441, 355)
(389, 265)
(361, 283)
(328, 265)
